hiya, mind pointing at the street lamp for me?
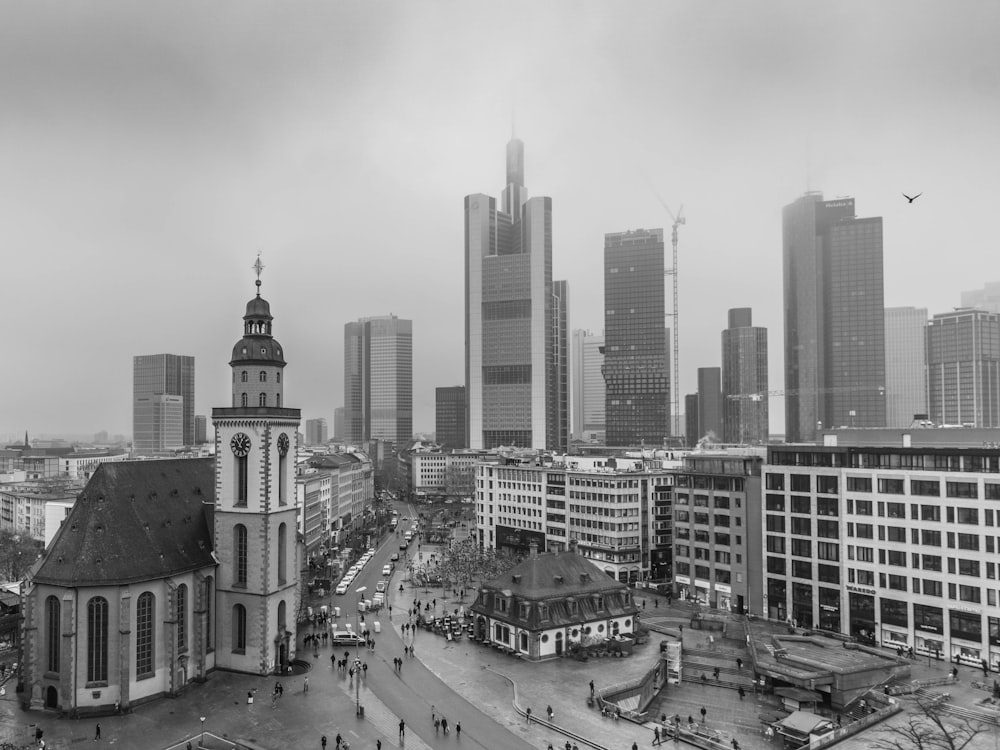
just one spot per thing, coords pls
(203, 731)
(357, 659)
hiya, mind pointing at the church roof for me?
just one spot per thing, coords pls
(545, 575)
(135, 521)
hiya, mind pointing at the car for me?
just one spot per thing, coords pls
(342, 588)
(345, 638)
(394, 557)
(387, 570)
(381, 586)
(402, 546)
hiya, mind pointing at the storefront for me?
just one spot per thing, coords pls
(928, 624)
(725, 596)
(966, 630)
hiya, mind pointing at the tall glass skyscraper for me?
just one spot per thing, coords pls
(963, 368)
(636, 341)
(905, 364)
(378, 379)
(588, 387)
(744, 380)
(834, 317)
(162, 402)
(516, 325)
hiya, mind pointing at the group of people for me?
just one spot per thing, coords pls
(441, 724)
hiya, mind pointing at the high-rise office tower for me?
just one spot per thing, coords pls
(557, 420)
(636, 342)
(378, 379)
(317, 432)
(691, 434)
(154, 416)
(710, 402)
(340, 423)
(449, 416)
(963, 368)
(200, 429)
(744, 380)
(834, 317)
(905, 364)
(513, 317)
(588, 387)
(987, 298)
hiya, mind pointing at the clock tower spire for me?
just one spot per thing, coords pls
(255, 521)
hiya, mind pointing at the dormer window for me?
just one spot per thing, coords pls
(501, 604)
(573, 606)
(543, 612)
(525, 610)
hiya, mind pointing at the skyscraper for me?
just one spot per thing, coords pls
(963, 368)
(378, 379)
(834, 317)
(905, 364)
(557, 419)
(200, 429)
(317, 432)
(588, 387)
(744, 380)
(636, 342)
(156, 418)
(987, 298)
(691, 434)
(449, 416)
(710, 402)
(513, 317)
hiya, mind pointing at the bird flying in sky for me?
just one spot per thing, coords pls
(913, 198)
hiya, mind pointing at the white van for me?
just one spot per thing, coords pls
(387, 570)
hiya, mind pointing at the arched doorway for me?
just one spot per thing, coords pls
(559, 644)
(51, 697)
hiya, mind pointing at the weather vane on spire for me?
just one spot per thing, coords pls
(258, 267)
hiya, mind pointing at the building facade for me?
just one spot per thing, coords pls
(745, 419)
(317, 432)
(378, 379)
(445, 473)
(513, 318)
(636, 346)
(963, 368)
(588, 387)
(905, 365)
(834, 317)
(618, 511)
(160, 423)
(987, 298)
(449, 416)
(710, 403)
(889, 536)
(200, 429)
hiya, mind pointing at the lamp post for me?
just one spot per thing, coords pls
(203, 731)
(357, 659)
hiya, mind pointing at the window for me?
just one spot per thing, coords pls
(776, 544)
(53, 637)
(208, 613)
(859, 484)
(775, 481)
(801, 483)
(721, 502)
(863, 507)
(866, 578)
(802, 569)
(775, 502)
(967, 515)
(930, 619)
(930, 562)
(865, 554)
(991, 491)
(182, 591)
(930, 513)
(896, 557)
(801, 504)
(828, 529)
(239, 629)
(240, 555)
(241, 479)
(897, 582)
(282, 554)
(828, 573)
(802, 526)
(894, 612)
(968, 541)
(243, 377)
(961, 489)
(891, 486)
(97, 639)
(776, 565)
(968, 567)
(262, 399)
(865, 531)
(244, 401)
(925, 487)
(930, 538)
(931, 588)
(145, 617)
(263, 376)
(827, 506)
(826, 485)
(776, 524)
(896, 510)
(966, 625)
(827, 551)
(801, 548)
(895, 533)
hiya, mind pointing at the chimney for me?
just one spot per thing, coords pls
(572, 546)
(533, 549)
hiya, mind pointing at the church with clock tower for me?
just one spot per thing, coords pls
(165, 570)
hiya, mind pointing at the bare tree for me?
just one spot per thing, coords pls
(460, 480)
(928, 728)
(18, 553)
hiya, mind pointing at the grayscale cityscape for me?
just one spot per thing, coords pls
(642, 381)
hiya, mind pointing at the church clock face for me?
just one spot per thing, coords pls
(282, 444)
(240, 444)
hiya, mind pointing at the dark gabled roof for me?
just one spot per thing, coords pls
(134, 521)
(555, 574)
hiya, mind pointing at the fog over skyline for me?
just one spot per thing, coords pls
(149, 151)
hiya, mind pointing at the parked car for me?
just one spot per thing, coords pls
(345, 638)
(342, 588)
(394, 557)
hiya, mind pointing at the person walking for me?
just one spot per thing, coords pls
(591, 687)
(458, 730)
(432, 712)
(444, 725)
(656, 735)
(305, 684)
(97, 733)
(635, 746)
(742, 692)
(437, 725)
(739, 663)
(548, 710)
(402, 728)
(322, 742)
(715, 673)
(703, 712)
(527, 715)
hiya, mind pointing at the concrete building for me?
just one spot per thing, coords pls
(888, 535)
(834, 317)
(987, 298)
(23, 504)
(163, 403)
(905, 364)
(716, 530)
(378, 379)
(588, 387)
(352, 490)
(691, 433)
(445, 473)
(314, 495)
(618, 510)
(340, 427)
(710, 403)
(557, 401)
(514, 316)
(449, 416)
(963, 368)
(200, 429)
(637, 344)
(745, 399)
(316, 432)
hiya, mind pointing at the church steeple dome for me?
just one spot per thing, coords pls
(258, 358)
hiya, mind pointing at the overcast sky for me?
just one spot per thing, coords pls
(149, 150)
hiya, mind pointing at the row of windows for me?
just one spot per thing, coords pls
(241, 554)
(926, 537)
(261, 400)
(262, 376)
(888, 485)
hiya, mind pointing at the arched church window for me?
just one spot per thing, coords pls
(182, 618)
(52, 637)
(263, 399)
(263, 376)
(282, 553)
(145, 616)
(97, 639)
(239, 628)
(243, 376)
(240, 555)
(244, 401)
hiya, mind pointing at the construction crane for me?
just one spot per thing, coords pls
(675, 384)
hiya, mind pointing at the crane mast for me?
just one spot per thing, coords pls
(675, 385)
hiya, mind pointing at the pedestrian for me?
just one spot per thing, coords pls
(591, 687)
(458, 730)
(635, 746)
(305, 684)
(736, 745)
(690, 720)
(364, 668)
(703, 712)
(339, 740)
(249, 697)
(378, 744)
(742, 692)
(548, 710)
(656, 735)
(986, 669)
(527, 715)
(97, 733)
(432, 712)
(444, 725)
(715, 673)
(322, 742)
(437, 725)
(643, 603)
(739, 663)
(402, 728)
